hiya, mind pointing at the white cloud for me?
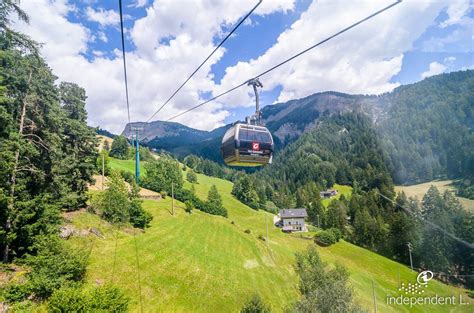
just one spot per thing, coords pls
(172, 39)
(103, 17)
(102, 36)
(362, 60)
(434, 69)
(140, 3)
(155, 68)
(457, 12)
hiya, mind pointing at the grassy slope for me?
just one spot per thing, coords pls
(126, 165)
(200, 262)
(419, 191)
(341, 190)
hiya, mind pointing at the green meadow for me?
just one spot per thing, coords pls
(204, 263)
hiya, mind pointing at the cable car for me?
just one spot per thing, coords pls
(248, 144)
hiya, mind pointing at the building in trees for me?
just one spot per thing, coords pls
(292, 220)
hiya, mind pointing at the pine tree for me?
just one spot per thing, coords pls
(214, 198)
(120, 148)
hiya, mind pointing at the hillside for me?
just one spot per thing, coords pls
(420, 190)
(207, 263)
(407, 119)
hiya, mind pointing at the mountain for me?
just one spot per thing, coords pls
(284, 120)
(420, 124)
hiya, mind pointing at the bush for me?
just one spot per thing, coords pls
(15, 292)
(189, 206)
(120, 148)
(261, 237)
(191, 177)
(127, 176)
(139, 217)
(325, 238)
(53, 266)
(163, 174)
(105, 298)
(255, 305)
(164, 194)
(336, 232)
(247, 231)
(113, 204)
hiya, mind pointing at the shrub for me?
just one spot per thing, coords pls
(191, 177)
(189, 206)
(120, 148)
(68, 299)
(127, 176)
(108, 298)
(164, 194)
(247, 231)
(139, 217)
(53, 266)
(255, 305)
(336, 232)
(15, 292)
(105, 298)
(261, 237)
(113, 203)
(325, 238)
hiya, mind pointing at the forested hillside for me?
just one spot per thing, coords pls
(426, 129)
(429, 129)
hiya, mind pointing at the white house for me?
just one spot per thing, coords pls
(293, 220)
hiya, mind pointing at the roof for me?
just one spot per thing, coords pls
(288, 213)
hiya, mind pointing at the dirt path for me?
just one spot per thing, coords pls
(144, 193)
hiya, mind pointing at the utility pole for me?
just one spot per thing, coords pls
(172, 198)
(267, 228)
(103, 170)
(373, 294)
(137, 152)
(410, 247)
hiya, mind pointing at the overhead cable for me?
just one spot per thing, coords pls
(205, 60)
(289, 59)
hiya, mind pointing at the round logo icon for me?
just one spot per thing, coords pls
(255, 146)
(424, 277)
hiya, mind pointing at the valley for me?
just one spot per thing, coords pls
(199, 262)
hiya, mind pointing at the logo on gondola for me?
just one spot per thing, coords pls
(255, 146)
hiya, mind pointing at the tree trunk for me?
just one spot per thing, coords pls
(11, 201)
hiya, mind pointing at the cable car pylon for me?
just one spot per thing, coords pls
(137, 129)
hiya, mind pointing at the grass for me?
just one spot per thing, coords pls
(419, 191)
(126, 165)
(206, 263)
(341, 190)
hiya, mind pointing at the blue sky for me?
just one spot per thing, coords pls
(166, 40)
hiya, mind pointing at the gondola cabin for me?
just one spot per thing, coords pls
(247, 145)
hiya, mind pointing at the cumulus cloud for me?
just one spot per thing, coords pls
(361, 61)
(457, 12)
(140, 3)
(172, 39)
(434, 69)
(103, 17)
